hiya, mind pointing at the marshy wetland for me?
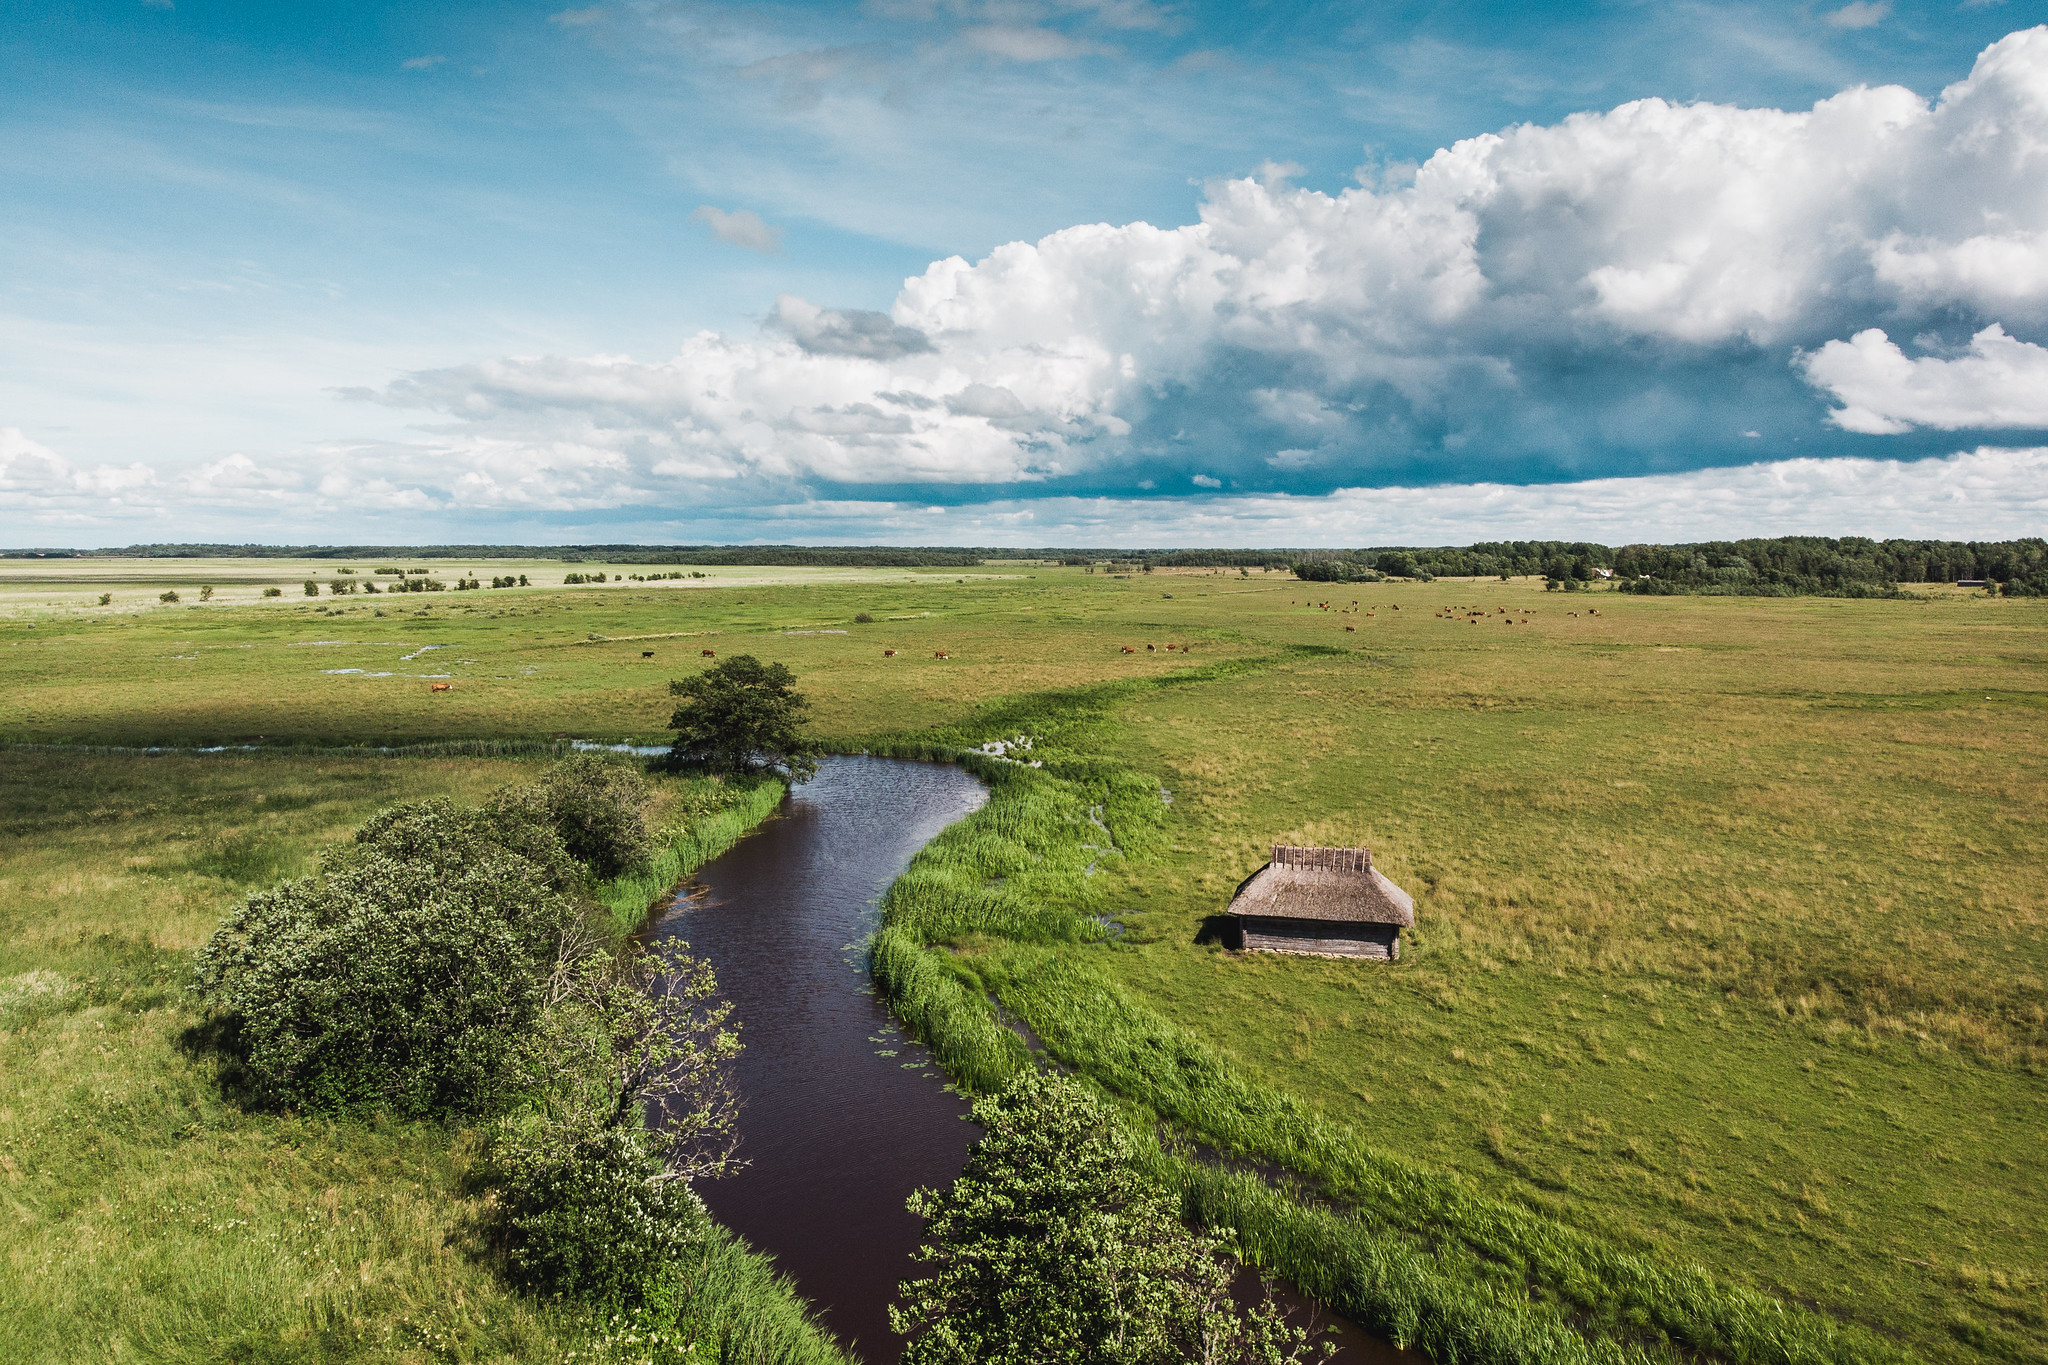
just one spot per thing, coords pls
(1729, 952)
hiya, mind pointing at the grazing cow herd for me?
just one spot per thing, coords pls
(1470, 615)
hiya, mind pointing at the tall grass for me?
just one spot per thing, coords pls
(729, 1304)
(687, 847)
(998, 908)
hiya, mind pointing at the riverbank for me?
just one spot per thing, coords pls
(153, 1217)
(1729, 944)
(1006, 908)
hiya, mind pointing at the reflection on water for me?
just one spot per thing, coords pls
(844, 1117)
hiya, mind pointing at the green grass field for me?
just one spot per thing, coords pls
(1730, 942)
(151, 1219)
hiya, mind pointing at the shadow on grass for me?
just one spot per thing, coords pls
(1221, 931)
(217, 1039)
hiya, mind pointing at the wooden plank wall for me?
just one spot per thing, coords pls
(1322, 938)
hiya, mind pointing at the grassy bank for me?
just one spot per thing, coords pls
(1731, 944)
(704, 820)
(150, 1217)
(1039, 900)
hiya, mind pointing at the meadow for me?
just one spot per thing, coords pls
(1729, 949)
(152, 1216)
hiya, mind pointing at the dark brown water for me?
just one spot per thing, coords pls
(844, 1117)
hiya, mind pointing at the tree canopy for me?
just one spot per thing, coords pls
(740, 715)
(1053, 1246)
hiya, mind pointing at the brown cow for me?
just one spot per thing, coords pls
(710, 653)
(1351, 627)
(940, 654)
(441, 687)
(1150, 650)
(888, 653)
(1127, 649)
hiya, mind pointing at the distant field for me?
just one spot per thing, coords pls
(1731, 934)
(135, 585)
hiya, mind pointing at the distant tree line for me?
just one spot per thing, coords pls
(1851, 566)
(1783, 566)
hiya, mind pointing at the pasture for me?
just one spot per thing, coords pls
(1730, 937)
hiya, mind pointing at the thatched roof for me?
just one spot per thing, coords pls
(1324, 884)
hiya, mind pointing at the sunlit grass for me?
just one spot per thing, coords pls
(1730, 942)
(151, 1217)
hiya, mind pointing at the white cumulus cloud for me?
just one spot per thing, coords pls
(38, 481)
(1531, 302)
(2001, 382)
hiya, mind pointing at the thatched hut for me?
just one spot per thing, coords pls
(1329, 902)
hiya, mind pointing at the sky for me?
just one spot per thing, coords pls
(1025, 272)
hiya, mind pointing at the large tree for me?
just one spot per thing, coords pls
(741, 714)
(1053, 1248)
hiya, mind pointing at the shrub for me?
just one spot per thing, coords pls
(1053, 1246)
(404, 974)
(206, 594)
(273, 592)
(597, 806)
(106, 598)
(865, 618)
(312, 588)
(593, 1218)
(171, 596)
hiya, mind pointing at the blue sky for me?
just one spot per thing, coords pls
(434, 271)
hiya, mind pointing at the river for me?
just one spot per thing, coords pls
(843, 1115)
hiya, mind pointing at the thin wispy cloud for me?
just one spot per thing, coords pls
(1018, 43)
(742, 228)
(1860, 14)
(422, 63)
